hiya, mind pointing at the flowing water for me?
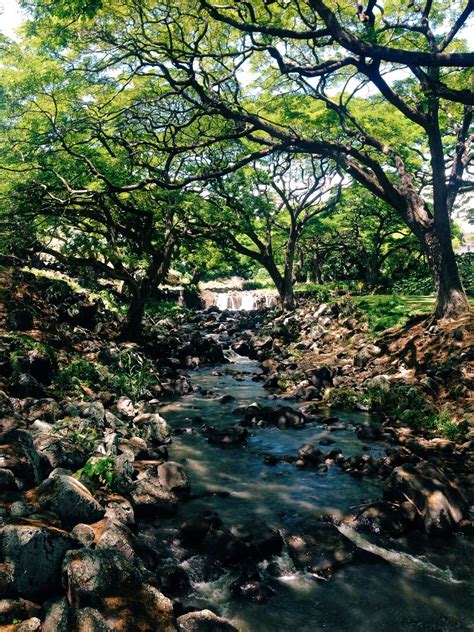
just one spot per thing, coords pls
(421, 584)
(240, 300)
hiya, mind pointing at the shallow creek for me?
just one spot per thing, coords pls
(421, 585)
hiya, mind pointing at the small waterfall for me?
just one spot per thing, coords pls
(241, 300)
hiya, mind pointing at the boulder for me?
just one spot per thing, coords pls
(440, 505)
(89, 575)
(173, 477)
(89, 620)
(150, 498)
(46, 409)
(7, 480)
(365, 355)
(35, 554)
(69, 499)
(20, 320)
(56, 616)
(204, 621)
(25, 385)
(153, 428)
(18, 454)
(30, 625)
(17, 609)
(106, 581)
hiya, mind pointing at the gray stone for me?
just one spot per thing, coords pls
(35, 554)
(69, 499)
(149, 497)
(154, 427)
(173, 477)
(56, 617)
(204, 621)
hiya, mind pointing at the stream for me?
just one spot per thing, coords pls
(417, 584)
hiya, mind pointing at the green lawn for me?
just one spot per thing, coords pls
(385, 311)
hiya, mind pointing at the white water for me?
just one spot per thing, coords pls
(399, 558)
(242, 300)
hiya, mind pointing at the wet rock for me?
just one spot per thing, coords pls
(369, 431)
(260, 540)
(153, 428)
(250, 586)
(439, 503)
(204, 621)
(233, 436)
(195, 529)
(173, 477)
(150, 498)
(309, 456)
(384, 518)
(35, 554)
(320, 549)
(69, 499)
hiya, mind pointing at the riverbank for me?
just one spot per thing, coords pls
(140, 488)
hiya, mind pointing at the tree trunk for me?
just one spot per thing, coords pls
(451, 299)
(132, 329)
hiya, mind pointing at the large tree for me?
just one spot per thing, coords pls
(410, 59)
(59, 197)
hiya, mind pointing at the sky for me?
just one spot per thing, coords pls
(11, 17)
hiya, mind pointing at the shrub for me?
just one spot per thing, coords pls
(340, 397)
(100, 471)
(77, 375)
(445, 425)
(133, 376)
(404, 402)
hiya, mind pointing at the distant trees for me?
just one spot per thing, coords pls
(263, 210)
(361, 239)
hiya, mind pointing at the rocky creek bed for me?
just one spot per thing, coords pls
(216, 501)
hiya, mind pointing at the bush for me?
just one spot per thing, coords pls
(77, 375)
(133, 376)
(340, 397)
(101, 471)
(404, 402)
(443, 424)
